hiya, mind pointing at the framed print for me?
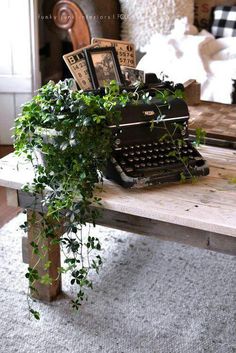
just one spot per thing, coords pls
(103, 66)
(77, 65)
(125, 50)
(132, 76)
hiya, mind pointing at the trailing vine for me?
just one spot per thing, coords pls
(65, 134)
(70, 129)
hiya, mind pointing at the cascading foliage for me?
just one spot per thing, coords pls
(70, 132)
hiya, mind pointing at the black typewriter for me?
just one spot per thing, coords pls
(146, 152)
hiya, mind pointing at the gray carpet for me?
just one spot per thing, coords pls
(150, 297)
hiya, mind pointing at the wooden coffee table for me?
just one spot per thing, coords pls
(201, 214)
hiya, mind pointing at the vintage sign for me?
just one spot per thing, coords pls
(77, 65)
(125, 50)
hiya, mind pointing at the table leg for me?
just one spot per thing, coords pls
(52, 255)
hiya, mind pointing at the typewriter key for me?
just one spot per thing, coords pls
(138, 153)
(137, 146)
(117, 142)
(149, 158)
(122, 163)
(131, 147)
(150, 151)
(149, 145)
(143, 159)
(149, 164)
(136, 159)
(129, 170)
(143, 145)
(137, 166)
(131, 153)
(142, 165)
(144, 152)
(126, 148)
(155, 164)
(125, 154)
(130, 160)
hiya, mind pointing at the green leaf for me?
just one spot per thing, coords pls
(61, 270)
(200, 136)
(46, 279)
(47, 265)
(178, 93)
(232, 180)
(35, 314)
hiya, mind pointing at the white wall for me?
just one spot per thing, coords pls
(19, 75)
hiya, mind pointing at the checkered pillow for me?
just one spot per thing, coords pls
(224, 21)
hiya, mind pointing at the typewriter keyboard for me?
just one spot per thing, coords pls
(136, 159)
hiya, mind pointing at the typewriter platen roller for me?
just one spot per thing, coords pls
(150, 154)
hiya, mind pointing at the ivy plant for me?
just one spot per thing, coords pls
(70, 132)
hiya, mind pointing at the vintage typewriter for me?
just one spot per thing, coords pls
(146, 152)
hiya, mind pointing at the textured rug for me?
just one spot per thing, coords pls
(150, 297)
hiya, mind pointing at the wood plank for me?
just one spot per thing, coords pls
(168, 231)
(209, 204)
(162, 230)
(160, 205)
(44, 292)
(7, 116)
(5, 150)
(12, 198)
(15, 172)
(6, 212)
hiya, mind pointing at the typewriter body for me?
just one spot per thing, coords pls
(147, 151)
